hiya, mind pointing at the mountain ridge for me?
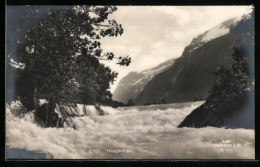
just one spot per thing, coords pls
(192, 74)
(133, 83)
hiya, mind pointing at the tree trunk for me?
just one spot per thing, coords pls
(35, 99)
(51, 108)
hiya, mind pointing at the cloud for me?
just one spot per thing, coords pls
(154, 34)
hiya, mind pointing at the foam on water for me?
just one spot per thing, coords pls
(142, 132)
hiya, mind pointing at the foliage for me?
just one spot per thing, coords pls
(113, 103)
(234, 80)
(130, 102)
(61, 55)
(195, 99)
(163, 100)
(238, 78)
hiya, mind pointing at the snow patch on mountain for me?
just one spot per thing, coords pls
(149, 74)
(215, 32)
(155, 70)
(134, 82)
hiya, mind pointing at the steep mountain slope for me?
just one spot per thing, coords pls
(133, 83)
(231, 105)
(192, 74)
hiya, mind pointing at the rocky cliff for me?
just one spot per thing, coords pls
(231, 105)
(132, 84)
(192, 74)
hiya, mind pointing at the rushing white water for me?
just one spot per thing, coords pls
(144, 132)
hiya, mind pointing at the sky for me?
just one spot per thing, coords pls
(155, 34)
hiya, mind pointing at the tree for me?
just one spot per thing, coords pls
(163, 100)
(238, 78)
(130, 102)
(234, 80)
(61, 54)
(195, 98)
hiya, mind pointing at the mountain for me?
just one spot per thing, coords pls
(133, 83)
(192, 74)
(231, 112)
(231, 102)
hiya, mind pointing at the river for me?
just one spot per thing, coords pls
(139, 132)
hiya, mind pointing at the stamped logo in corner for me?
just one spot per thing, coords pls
(226, 145)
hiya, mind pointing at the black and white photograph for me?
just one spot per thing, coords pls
(130, 82)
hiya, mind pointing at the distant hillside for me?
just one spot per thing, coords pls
(133, 83)
(192, 74)
(232, 99)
